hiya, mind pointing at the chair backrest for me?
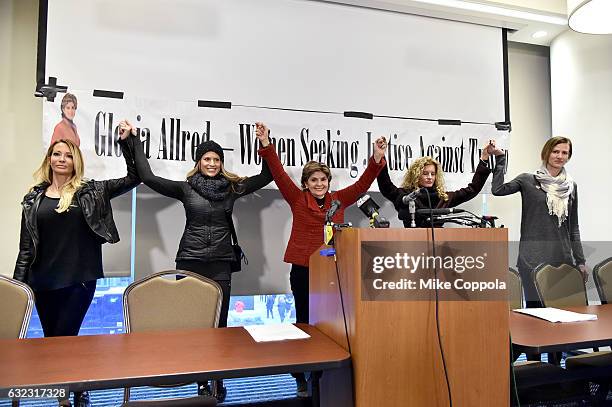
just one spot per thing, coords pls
(16, 303)
(561, 286)
(160, 302)
(515, 290)
(602, 274)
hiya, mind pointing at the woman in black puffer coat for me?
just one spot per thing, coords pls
(208, 195)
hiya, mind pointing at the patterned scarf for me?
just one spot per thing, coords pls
(558, 190)
(213, 189)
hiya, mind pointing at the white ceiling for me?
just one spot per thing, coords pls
(525, 17)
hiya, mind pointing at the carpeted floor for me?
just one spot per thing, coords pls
(239, 391)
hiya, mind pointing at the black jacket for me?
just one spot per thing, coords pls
(93, 198)
(206, 236)
(395, 194)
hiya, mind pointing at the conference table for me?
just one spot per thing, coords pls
(530, 334)
(162, 357)
(535, 335)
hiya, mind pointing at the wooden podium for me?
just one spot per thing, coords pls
(394, 346)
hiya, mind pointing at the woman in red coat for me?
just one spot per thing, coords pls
(309, 204)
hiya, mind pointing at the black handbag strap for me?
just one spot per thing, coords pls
(230, 221)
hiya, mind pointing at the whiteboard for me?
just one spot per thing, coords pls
(296, 54)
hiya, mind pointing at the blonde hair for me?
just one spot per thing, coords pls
(413, 174)
(44, 174)
(234, 179)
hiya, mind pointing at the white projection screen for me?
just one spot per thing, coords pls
(287, 54)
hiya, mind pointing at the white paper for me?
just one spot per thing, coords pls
(275, 332)
(557, 315)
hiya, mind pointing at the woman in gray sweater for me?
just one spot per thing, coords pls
(549, 220)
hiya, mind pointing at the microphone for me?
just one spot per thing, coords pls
(439, 211)
(487, 220)
(406, 199)
(370, 209)
(335, 205)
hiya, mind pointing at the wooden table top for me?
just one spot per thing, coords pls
(534, 334)
(160, 357)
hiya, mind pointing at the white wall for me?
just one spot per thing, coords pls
(531, 125)
(581, 82)
(20, 115)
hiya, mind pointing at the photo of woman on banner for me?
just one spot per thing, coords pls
(208, 195)
(426, 173)
(309, 204)
(66, 129)
(549, 220)
(64, 222)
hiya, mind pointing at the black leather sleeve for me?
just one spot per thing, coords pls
(119, 186)
(26, 253)
(386, 186)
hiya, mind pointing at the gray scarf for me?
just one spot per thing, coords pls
(213, 189)
(558, 190)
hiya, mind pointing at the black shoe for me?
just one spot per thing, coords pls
(204, 389)
(221, 391)
(82, 399)
(302, 387)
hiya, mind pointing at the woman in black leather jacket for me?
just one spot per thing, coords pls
(425, 174)
(65, 220)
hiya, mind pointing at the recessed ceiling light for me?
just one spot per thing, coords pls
(539, 34)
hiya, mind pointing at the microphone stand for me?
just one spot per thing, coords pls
(412, 210)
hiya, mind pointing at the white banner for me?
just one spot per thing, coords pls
(171, 131)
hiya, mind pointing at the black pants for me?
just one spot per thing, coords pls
(532, 299)
(62, 311)
(226, 287)
(298, 277)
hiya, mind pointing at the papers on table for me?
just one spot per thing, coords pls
(557, 315)
(275, 332)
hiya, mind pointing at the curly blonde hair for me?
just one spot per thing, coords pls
(44, 174)
(411, 178)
